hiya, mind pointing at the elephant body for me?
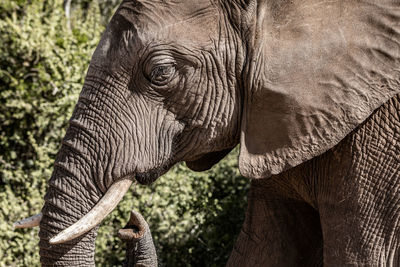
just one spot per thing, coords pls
(338, 209)
(301, 85)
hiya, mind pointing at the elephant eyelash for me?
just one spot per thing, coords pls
(162, 74)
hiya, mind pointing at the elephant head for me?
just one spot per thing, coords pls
(188, 80)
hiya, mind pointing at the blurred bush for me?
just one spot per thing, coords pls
(44, 55)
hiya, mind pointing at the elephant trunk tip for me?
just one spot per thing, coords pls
(140, 250)
(135, 228)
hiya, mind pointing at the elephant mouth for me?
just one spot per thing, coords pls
(146, 178)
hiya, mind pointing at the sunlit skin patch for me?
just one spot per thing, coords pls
(189, 25)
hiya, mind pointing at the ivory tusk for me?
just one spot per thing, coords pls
(30, 222)
(96, 215)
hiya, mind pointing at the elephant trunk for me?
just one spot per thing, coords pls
(140, 250)
(71, 195)
(85, 186)
(57, 217)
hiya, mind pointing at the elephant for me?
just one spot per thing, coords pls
(309, 89)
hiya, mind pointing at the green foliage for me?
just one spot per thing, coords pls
(44, 55)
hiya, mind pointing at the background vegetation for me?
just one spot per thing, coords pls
(45, 48)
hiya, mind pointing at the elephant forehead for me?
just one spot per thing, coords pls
(183, 22)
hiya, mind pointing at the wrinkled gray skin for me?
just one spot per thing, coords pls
(294, 82)
(141, 253)
(338, 209)
(140, 250)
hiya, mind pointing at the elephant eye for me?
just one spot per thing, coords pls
(162, 74)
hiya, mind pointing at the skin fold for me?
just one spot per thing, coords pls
(307, 88)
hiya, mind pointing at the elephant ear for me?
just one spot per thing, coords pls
(208, 160)
(315, 74)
